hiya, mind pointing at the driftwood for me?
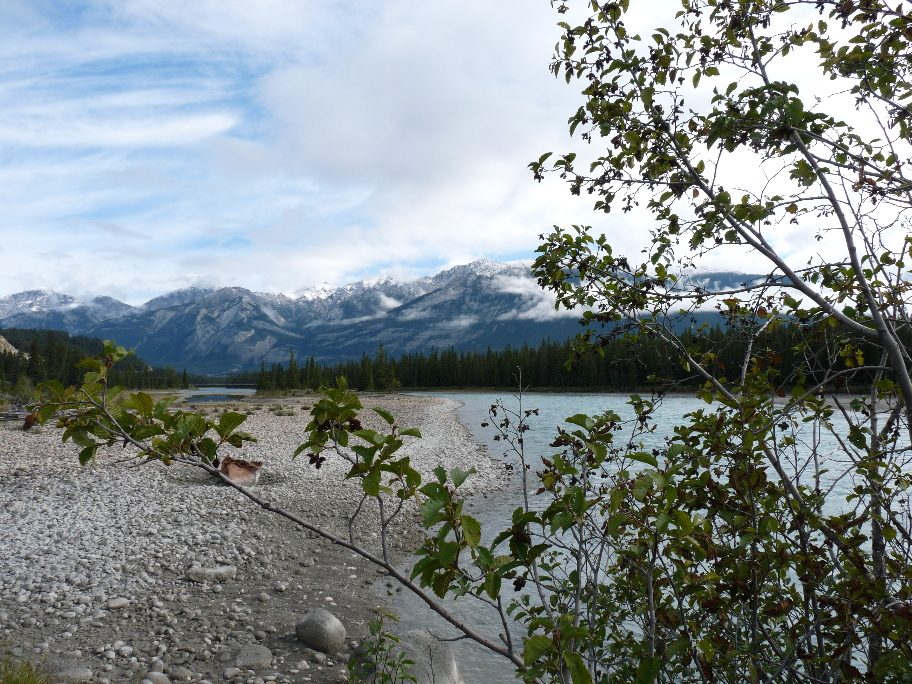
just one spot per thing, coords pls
(17, 409)
(244, 473)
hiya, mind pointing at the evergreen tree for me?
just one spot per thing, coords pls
(292, 380)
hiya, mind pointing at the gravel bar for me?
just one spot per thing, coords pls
(94, 561)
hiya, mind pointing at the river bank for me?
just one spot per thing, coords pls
(93, 561)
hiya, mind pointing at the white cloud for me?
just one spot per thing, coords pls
(280, 144)
(459, 322)
(538, 304)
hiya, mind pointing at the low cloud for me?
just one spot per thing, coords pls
(538, 304)
(387, 303)
(414, 315)
(460, 322)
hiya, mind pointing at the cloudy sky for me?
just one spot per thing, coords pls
(147, 145)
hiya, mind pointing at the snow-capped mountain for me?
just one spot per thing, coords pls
(54, 310)
(177, 298)
(35, 301)
(472, 306)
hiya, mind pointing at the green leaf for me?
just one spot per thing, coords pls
(430, 511)
(459, 476)
(441, 583)
(492, 585)
(228, 421)
(648, 670)
(643, 457)
(386, 415)
(87, 454)
(582, 420)
(141, 402)
(46, 412)
(410, 432)
(471, 530)
(371, 483)
(208, 447)
(90, 364)
(578, 672)
(643, 486)
(448, 553)
(534, 647)
(485, 558)
(857, 437)
(674, 450)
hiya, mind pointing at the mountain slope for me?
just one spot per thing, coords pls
(472, 306)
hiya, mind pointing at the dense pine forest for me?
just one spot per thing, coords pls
(621, 365)
(53, 355)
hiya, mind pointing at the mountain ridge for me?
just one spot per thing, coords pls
(212, 330)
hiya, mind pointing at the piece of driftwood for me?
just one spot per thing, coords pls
(17, 409)
(244, 473)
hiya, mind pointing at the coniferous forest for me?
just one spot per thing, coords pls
(621, 365)
(53, 355)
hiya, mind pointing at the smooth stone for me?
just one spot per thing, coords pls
(67, 671)
(181, 674)
(118, 603)
(220, 573)
(253, 657)
(321, 630)
(158, 678)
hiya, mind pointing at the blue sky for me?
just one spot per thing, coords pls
(148, 145)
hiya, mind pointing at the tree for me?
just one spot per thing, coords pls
(382, 372)
(731, 552)
(292, 373)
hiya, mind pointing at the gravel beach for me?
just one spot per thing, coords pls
(97, 564)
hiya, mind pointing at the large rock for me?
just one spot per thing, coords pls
(434, 661)
(321, 630)
(65, 671)
(253, 657)
(158, 678)
(220, 573)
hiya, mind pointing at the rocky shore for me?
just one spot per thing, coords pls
(121, 572)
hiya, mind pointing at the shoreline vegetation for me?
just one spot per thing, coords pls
(89, 539)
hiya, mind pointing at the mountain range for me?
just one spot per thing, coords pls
(218, 330)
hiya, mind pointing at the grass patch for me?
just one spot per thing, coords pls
(23, 672)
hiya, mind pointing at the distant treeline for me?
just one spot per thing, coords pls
(53, 355)
(625, 364)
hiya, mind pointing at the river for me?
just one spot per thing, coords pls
(216, 394)
(495, 510)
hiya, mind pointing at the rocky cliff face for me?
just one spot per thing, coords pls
(6, 347)
(473, 306)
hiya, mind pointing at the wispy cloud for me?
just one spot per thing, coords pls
(278, 144)
(538, 304)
